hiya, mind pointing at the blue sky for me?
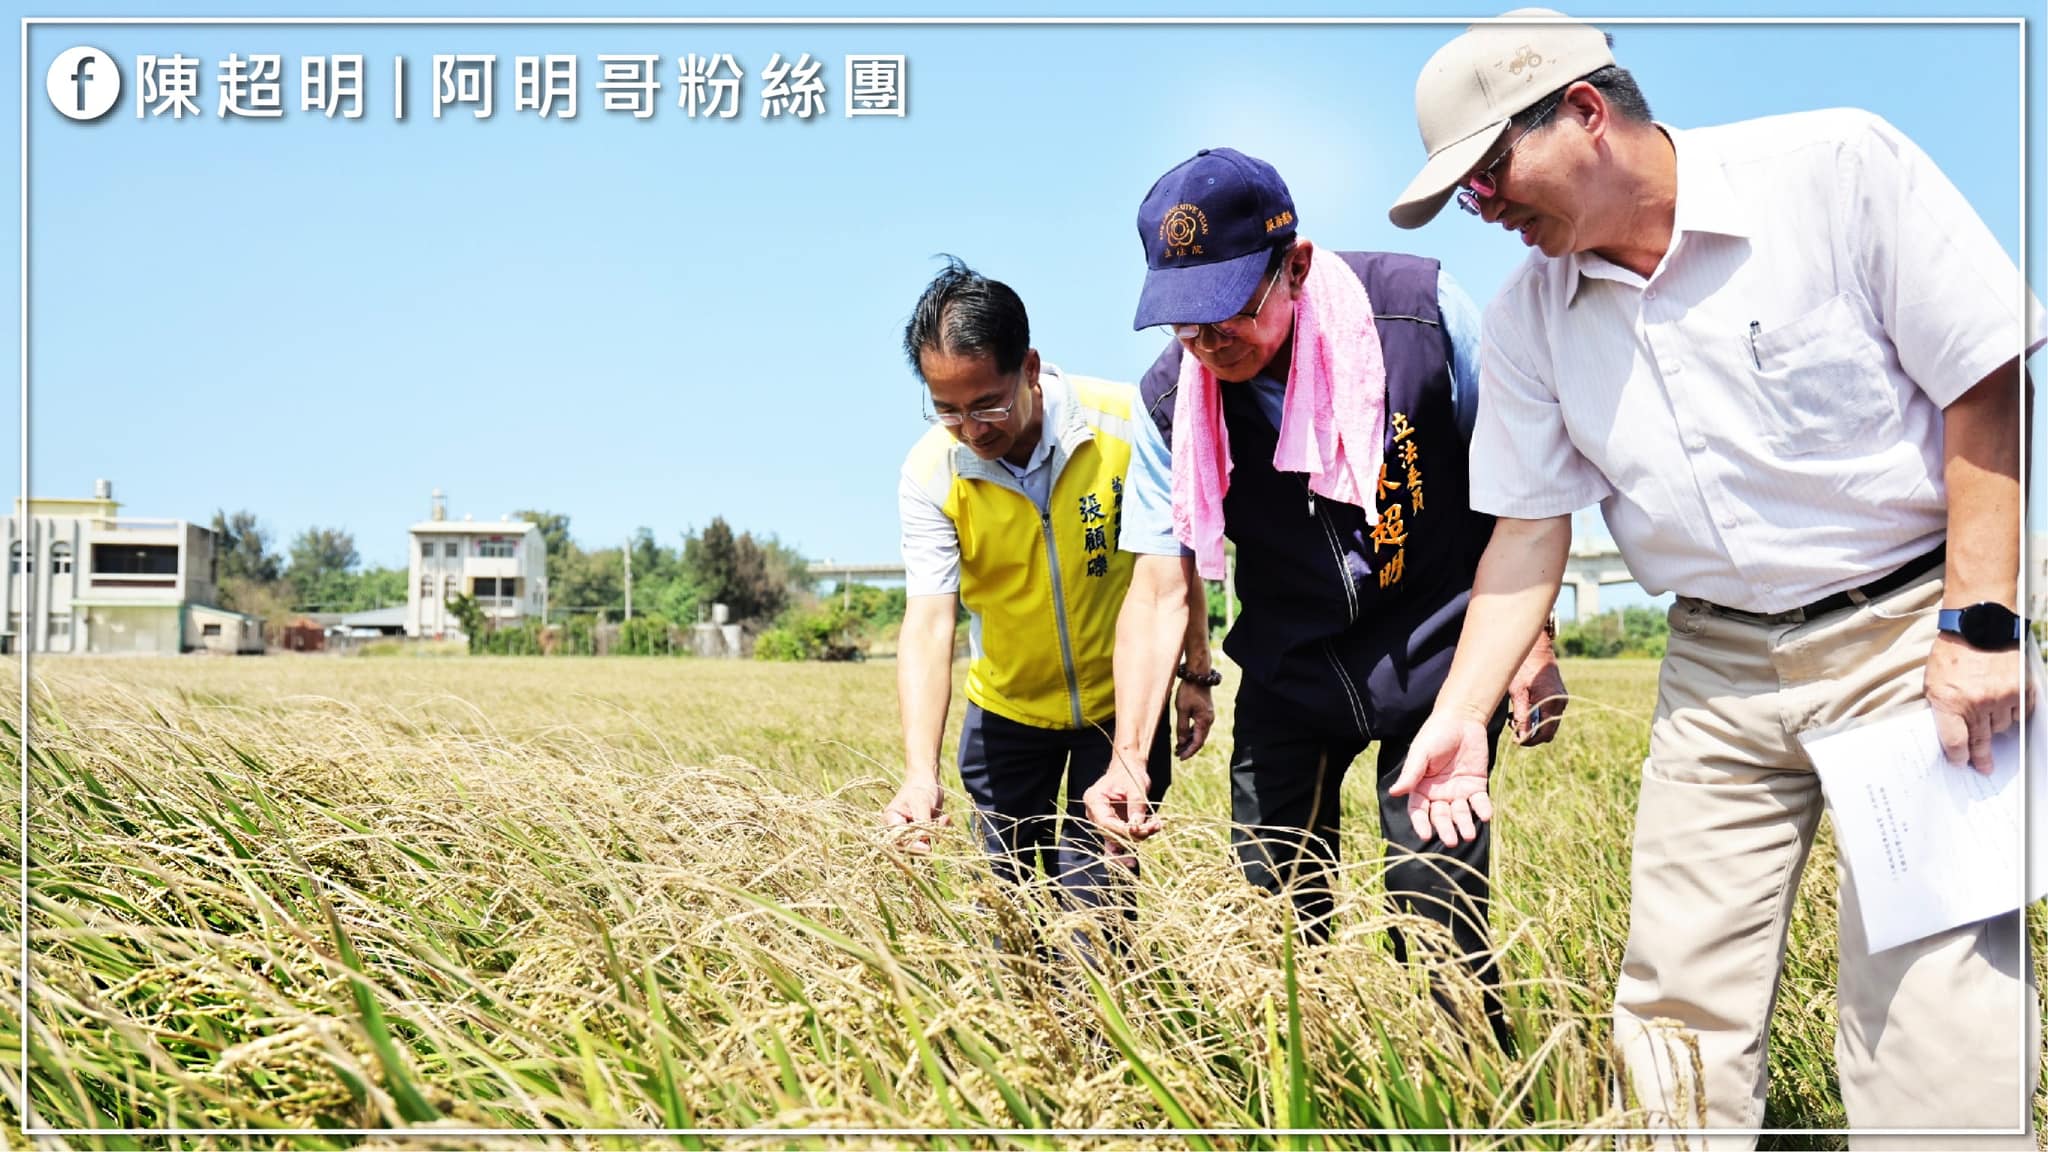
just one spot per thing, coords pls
(656, 322)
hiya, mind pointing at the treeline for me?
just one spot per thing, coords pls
(1628, 632)
(763, 582)
(755, 577)
(320, 572)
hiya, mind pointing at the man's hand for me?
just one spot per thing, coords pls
(1975, 695)
(917, 805)
(1117, 803)
(1194, 710)
(1445, 779)
(1537, 695)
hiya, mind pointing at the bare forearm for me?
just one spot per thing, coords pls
(1150, 631)
(1194, 645)
(1512, 595)
(924, 682)
(1981, 467)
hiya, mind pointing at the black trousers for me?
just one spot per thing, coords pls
(1014, 771)
(1287, 771)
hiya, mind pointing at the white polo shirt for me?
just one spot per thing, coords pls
(1760, 420)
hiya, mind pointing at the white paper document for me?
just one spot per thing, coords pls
(1932, 846)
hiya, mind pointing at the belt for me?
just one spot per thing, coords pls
(1891, 581)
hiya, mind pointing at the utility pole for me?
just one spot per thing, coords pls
(629, 578)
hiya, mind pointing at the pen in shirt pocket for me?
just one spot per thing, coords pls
(1755, 327)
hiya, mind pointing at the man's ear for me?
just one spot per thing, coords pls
(1584, 103)
(1298, 261)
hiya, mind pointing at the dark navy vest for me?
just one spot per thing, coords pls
(1354, 624)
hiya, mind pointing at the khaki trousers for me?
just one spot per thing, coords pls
(1930, 1033)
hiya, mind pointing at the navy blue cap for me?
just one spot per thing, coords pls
(1208, 227)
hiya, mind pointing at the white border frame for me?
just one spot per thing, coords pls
(30, 1130)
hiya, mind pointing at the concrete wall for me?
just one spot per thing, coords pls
(230, 632)
(50, 573)
(126, 629)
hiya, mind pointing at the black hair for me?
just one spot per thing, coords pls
(963, 313)
(1620, 91)
(1615, 86)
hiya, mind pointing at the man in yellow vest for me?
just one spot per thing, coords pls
(1012, 504)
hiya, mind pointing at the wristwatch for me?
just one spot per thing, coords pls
(1209, 679)
(1988, 627)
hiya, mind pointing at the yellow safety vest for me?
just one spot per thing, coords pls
(1042, 589)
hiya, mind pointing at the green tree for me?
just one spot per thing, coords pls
(878, 610)
(321, 560)
(470, 615)
(710, 559)
(756, 578)
(1628, 632)
(785, 577)
(244, 548)
(376, 588)
(591, 582)
(554, 532)
(651, 562)
(1218, 614)
(826, 631)
(661, 585)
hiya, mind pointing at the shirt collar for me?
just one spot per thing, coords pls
(1706, 204)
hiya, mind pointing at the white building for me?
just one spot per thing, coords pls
(81, 578)
(502, 563)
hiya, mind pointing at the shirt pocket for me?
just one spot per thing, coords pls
(1821, 384)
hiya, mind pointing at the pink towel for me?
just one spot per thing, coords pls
(1332, 422)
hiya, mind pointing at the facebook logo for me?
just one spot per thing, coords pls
(83, 83)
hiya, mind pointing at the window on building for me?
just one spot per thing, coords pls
(450, 588)
(426, 549)
(60, 557)
(486, 587)
(209, 629)
(135, 559)
(426, 587)
(14, 623)
(508, 587)
(495, 547)
(18, 560)
(451, 550)
(60, 626)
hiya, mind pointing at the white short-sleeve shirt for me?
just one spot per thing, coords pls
(1760, 420)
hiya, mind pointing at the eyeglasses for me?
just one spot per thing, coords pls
(1234, 326)
(1481, 184)
(979, 415)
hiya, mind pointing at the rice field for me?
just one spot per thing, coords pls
(583, 899)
